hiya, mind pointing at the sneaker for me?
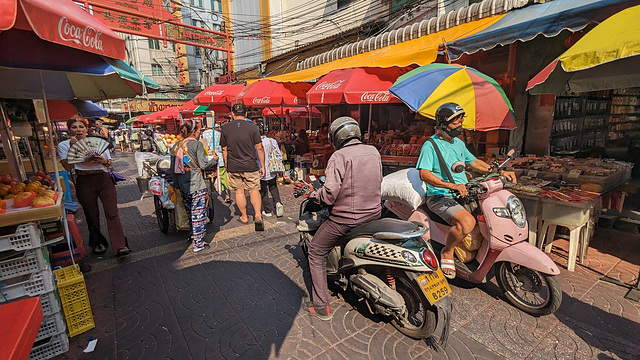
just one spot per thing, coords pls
(279, 210)
(322, 313)
(267, 214)
(200, 248)
(259, 225)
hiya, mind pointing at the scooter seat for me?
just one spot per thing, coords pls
(433, 216)
(387, 225)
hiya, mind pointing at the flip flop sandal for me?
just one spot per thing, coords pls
(449, 265)
(242, 222)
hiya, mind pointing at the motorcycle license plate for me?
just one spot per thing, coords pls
(434, 285)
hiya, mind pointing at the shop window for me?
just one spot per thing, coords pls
(343, 3)
(156, 70)
(197, 50)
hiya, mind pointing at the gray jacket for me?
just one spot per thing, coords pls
(353, 182)
(191, 181)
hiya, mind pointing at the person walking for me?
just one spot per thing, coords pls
(243, 156)
(268, 183)
(93, 183)
(188, 160)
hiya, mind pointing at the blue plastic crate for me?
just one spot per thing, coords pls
(64, 174)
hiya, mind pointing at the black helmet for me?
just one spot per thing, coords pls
(342, 130)
(446, 113)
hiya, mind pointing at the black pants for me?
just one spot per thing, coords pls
(266, 187)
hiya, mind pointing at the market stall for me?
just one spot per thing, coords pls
(39, 64)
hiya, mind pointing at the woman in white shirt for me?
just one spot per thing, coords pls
(92, 183)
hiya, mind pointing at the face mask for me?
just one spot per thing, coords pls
(455, 132)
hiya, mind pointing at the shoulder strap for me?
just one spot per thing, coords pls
(443, 165)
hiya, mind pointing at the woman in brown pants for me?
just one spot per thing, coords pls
(93, 183)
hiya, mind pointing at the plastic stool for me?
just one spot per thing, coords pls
(575, 219)
(535, 224)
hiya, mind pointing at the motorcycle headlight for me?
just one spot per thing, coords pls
(516, 209)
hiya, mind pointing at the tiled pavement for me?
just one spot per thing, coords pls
(242, 297)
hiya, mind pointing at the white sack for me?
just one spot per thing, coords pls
(404, 186)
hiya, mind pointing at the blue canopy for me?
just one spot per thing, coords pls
(548, 19)
(89, 109)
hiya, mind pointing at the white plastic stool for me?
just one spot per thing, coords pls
(576, 219)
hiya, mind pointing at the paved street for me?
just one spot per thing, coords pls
(242, 299)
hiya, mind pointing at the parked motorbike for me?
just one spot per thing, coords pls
(387, 263)
(524, 273)
(165, 212)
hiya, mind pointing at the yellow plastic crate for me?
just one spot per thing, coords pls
(74, 299)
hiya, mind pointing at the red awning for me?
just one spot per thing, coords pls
(62, 22)
(362, 85)
(170, 113)
(271, 93)
(218, 94)
(299, 111)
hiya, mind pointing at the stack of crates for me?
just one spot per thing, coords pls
(25, 271)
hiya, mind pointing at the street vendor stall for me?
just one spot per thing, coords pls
(39, 63)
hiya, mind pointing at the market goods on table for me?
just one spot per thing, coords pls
(21, 202)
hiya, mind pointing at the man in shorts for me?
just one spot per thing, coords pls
(440, 200)
(243, 156)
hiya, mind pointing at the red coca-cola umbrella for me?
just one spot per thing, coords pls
(364, 85)
(293, 111)
(62, 22)
(218, 94)
(272, 93)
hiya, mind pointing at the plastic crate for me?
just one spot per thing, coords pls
(51, 325)
(24, 237)
(49, 302)
(43, 349)
(14, 264)
(26, 285)
(74, 299)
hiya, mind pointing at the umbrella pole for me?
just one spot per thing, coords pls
(52, 152)
(52, 149)
(369, 129)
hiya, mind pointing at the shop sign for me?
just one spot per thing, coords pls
(179, 32)
(225, 79)
(149, 106)
(381, 96)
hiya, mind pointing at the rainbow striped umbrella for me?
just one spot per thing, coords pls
(426, 88)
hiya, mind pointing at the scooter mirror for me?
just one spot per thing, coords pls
(458, 167)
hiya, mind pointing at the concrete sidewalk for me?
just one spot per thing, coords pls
(242, 299)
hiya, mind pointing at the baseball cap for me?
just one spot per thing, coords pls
(239, 109)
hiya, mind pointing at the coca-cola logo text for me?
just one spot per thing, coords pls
(214, 93)
(325, 85)
(299, 101)
(262, 100)
(87, 36)
(381, 96)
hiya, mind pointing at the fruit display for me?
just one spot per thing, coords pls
(36, 192)
(172, 139)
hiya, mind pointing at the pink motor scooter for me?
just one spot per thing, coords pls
(525, 274)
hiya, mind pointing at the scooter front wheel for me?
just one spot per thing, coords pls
(162, 215)
(529, 290)
(420, 318)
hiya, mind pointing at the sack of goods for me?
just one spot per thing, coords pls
(405, 186)
(468, 250)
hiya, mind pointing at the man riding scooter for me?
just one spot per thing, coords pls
(445, 147)
(352, 188)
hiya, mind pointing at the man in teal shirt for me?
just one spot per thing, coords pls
(449, 119)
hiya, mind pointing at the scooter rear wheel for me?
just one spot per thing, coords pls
(420, 319)
(529, 290)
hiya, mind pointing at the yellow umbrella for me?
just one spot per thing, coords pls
(605, 58)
